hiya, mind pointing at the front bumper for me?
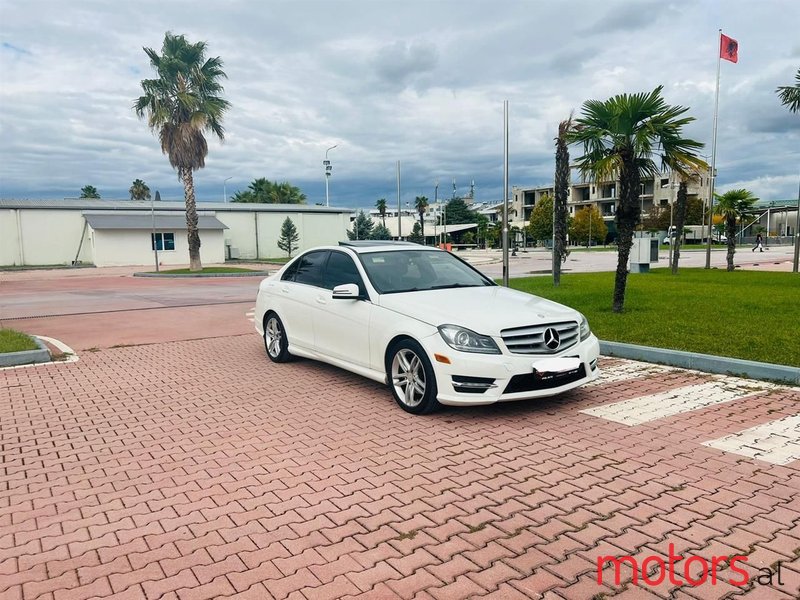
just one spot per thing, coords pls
(513, 374)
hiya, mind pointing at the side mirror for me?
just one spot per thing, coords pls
(346, 291)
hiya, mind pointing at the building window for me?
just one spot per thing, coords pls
(162, 241)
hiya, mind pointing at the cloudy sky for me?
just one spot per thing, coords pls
(418, 81)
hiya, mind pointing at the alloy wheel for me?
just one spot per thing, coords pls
(408, 377)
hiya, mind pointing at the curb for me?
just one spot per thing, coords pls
(180, 275)
(703, 362)
(26, 357)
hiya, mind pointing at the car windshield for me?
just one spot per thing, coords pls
(418, 270)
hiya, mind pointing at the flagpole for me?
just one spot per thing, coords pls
(713, 155)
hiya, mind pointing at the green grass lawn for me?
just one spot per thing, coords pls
(743, 314)
(205, 270)
(14, 341)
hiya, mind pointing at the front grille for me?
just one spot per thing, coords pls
(530, 382)
(531, 339)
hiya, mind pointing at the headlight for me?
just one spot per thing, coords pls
(466, 340)
(585, 331)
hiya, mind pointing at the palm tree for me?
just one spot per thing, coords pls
(790, 94)
(680, 220)
(732, 205)
(182, 103)
(620, 137)
(381, 206)
(89, 191)
(561, 192)
(421, 204)
(139, 190)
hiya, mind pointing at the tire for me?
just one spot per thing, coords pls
(275, 342)
(415, 394)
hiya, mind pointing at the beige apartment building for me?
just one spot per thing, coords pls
(660, 191)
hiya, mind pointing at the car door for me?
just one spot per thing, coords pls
(298, 289)
(341, 327)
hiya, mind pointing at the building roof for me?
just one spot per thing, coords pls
(134, 221)
(137, 205)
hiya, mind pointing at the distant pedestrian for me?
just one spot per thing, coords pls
(759, 244)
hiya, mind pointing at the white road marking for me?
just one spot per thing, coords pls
(629, 370)
(776, 442)
(666, 404)
(251, 314)
(69, 354)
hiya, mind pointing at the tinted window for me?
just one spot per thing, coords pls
(288, 274)
(309, 268)
(415, 270)
(340, 270)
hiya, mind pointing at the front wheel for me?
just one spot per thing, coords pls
(411, 378)
(275, 342)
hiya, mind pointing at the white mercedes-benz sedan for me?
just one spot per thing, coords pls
(424, 322)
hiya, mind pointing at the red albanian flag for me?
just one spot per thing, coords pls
(728, 48)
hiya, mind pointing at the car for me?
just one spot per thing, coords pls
(425, 323)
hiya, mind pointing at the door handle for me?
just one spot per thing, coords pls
(285, 290)
(321, 300)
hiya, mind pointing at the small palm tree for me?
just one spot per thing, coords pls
(790, 94)
(620, 136)
(732, 205)
(381, 206)
(89, 191)
(139, 190)
(421, 205)
(183, 102)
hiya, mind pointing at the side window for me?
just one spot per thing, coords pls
(340, 270)
(309, 268)
(288, 274)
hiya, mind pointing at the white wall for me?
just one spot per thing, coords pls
(121, 247)
(49, 237)
(315, 229)
(52, 236)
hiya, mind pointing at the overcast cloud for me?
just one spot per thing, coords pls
(422, 82)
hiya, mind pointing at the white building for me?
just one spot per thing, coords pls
(120, 232)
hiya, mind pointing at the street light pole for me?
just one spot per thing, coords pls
(225, 189)
(328, 168)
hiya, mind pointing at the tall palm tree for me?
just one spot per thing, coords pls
(183, 102)
(560, 202)
(732, 205)
(381, 206)
(790, 94)
(139, 190)
(421, 205)
(620, 136)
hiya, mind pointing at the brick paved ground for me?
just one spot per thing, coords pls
(198, 469)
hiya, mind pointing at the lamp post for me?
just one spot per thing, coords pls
(328, 168)
(225, 189)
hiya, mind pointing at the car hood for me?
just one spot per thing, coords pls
(485, 310)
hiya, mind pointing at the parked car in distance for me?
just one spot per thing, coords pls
(424, 322)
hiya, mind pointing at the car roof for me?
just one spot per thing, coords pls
(362, 246)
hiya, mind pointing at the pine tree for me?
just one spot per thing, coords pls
(381, 233)
(416, 234)
(362, 227)
(289, 237)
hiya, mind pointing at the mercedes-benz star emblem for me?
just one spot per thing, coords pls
(551, 339)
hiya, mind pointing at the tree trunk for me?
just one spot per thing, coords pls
(730, 232)
(628, 214)
(560, 207)
(193, 234)
(422, 227)
(680, 221)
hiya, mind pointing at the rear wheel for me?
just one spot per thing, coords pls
(275, 342)
(411, 378)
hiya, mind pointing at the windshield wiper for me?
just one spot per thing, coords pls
(455, 285)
